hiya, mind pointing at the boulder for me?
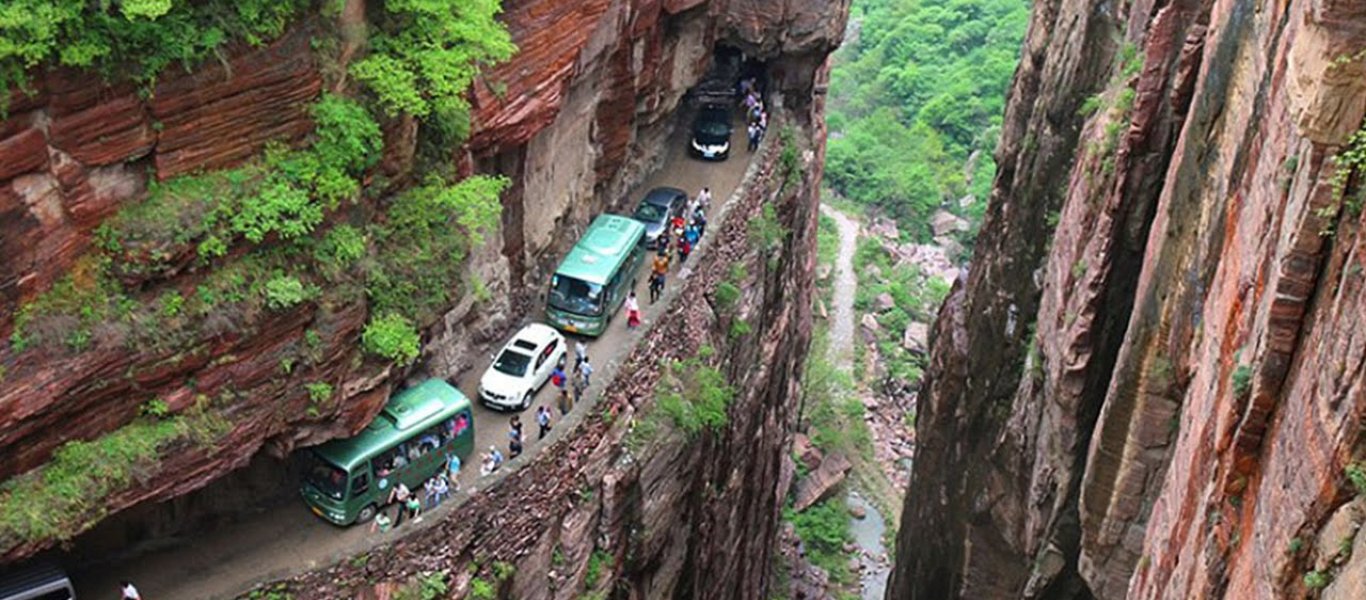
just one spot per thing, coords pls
(951, 249)
(916, 338)
(805, 451)
(820, 309)
(874, 271)
(944, 222)
(857, 512)
(966, 201)
(884, 228)
(823, 272)
(885, 302)
(869, 323)
(822, 482)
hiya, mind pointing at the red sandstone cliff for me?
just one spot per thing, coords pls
(1157, 398)
(591, 92)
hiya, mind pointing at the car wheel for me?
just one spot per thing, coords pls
(366, 513)
(526, 401)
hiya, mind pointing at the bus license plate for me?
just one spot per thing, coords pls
(570, 327)
(317, 512)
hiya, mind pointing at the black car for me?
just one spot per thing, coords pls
(711, 132)
(657, 208)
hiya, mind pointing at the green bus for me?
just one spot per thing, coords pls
(593, 280)
(348, 480)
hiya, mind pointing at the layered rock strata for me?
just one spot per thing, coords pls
(1158, 396)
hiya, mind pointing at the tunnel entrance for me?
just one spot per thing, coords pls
(266, 483)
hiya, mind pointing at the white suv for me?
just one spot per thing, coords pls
(522, 367)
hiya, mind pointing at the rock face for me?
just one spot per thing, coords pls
(661, 505)
(1157, 397)
(589, 99)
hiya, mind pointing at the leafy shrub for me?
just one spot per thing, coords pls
(824, 528)
(319, 391)
(597, 561)
(695, 396)
(1242, 380)
(1356, 474)
(391, 336)
(481, 590)
(155, 408)
(284, 291)
(1317, 580)
(425, 237)
(726, 294)
(427, 52)
(341, 247)
(426, 587)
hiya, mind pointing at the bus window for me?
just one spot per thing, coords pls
(326, 477)
(575, 295)
(462, 422)
(360, 484)
(429, 440)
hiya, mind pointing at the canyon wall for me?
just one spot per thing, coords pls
(578, 115)
(662, 512)
(1150, 384)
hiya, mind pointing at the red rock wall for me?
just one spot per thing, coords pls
(74, 153)
(1108, 453)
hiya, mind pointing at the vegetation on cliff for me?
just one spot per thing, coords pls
(917, 91)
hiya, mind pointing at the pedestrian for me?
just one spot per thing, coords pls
(486, 466)
(684, 249)
(661, 263)
(400, 496)
(441, 489)
(564, 402)
(656, 286)
(580, 384)
(704, 199)
(543, 420)
(700, 222)
(413, 506)
(632, 310)
(692, 235)
(128, 591)
(497, 457)
(587, 372)
(382, 523)
(763, 122)
(514, 437)
(429, 491)
(753, 136)
(580, 352)
(558, 377)
(453, 469)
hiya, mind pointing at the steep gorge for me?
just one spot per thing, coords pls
(1149, 384)
(576, 117)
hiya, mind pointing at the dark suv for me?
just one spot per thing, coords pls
(711, 131)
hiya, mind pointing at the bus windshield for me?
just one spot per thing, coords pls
(575, 295)
(326, 477)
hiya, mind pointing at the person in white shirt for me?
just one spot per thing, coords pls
(129, 592)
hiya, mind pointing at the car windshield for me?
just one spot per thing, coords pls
(512, 363)
(713, 127)
(650, 213)
(326, 477)
(575, 295)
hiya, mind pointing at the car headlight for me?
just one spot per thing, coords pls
(697, 146)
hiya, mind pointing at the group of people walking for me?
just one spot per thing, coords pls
(687, 229)
(755, 114)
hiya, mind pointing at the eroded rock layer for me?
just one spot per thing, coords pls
(1150, 384)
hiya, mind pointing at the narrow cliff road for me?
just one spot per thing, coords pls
(284, 539)
(842, 325)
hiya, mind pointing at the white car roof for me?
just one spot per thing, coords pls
(536, 333)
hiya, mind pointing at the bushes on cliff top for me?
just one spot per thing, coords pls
(426, 54)
(134, 39)
(67, 495)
